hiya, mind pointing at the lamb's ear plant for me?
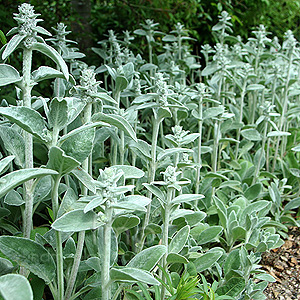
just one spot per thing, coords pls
(154, 181)
(26, 37)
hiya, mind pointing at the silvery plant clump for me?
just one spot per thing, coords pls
(156, 177)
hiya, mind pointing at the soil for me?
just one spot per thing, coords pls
(284, 265)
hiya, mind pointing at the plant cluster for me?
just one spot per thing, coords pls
(165, 180)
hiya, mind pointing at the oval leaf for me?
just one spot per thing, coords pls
(15, 286)
(8, 75)
(123, 223)
(148, 258)
(130, 172)
(77, 220)
(209, 234)
(18, 177)
(132, 275)
(54, 55)
(251, 134)
(117, 121)
(179, 240)
(207, 260)
(29, 254)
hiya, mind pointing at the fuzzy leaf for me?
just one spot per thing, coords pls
(179, 240)
(253, 191)
(85, 178)
(6, 266)
(54, 55)
(45, 72)
(11, 46)
(61, 162)
(28, 119)
(213, 112)
(18, 177)
(148, 258)
(209, 234)
(187, 198)
(295, 203)
(58, 113)
(77, 220)
(172, 151)
(278, 133)
(117, 121)
(29, 254)
(5, 162)
(132, 275)
(13, 198)
(251, 134)
(8, 75)
(123, 223)
(15, 286)
(121, 83)
(14, 144)
(233, 287)
(207, 260)
(130, 172)
(155, 191)
(95, 202)
(79, 145)
(176, 258)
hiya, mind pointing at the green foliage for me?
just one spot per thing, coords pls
(139, 185)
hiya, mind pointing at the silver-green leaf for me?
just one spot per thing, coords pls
(16, 287)
(18, 177)
(29, 254)
(77, 220)
(8, 75)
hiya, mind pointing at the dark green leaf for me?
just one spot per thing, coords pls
(253, 191)
(233, 287)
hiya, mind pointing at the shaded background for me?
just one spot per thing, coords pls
(90, 20)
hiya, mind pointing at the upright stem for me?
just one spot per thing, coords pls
(87, 113)
(57, 81)
(165, 236)
(151, 176)
(122, 147)
(284, 108)
(199, 161)
(59, 248)
(28, 192)
(257, 167)
(240, 117)
(214, 160)
(106, 292)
